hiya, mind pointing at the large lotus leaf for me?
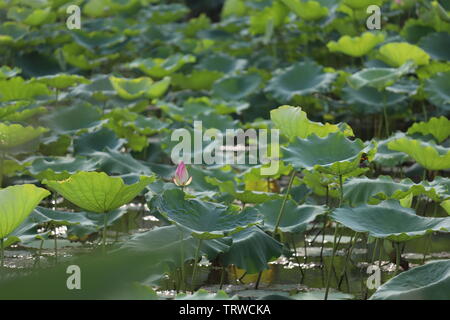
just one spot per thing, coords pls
(97, 39)
(300, 79)
(293, 122)
(7, 72)
(378, 78)
(31, 16)
(16, 203)
(446, 205)
(99, 88)
(159, 68)
(360, 191)
(115, 162)
(60, 168)
(55, 145)
(386, 156)
(396, 54)
(173, 244)
(18, 89)
(236, 87)
(98, 192)
(99, 140)
(439, 128)
(251, 250)
(69, 120)
(307, 10)
(389, 220)
(20, 111)
(205, 220)
(222, 63)
(369, 100)
(438, 90)
(196, 80)
(269, 17)
(361, 4)
(436, 45)
(356, 46)
(428, 282)
(333, 154)
(14, 135)
(61, 81)
(427, 154)
(295, 218)
(140, 87)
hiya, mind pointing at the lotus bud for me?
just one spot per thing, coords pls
(182, 177)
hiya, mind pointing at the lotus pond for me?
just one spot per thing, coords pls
(334, 183)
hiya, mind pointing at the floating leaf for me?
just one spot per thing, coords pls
(307, 10)
(303, 78)
(397, 54)
(98, 192)
(236, 87)
(438, 90)
(428, 282)
(356, 46)
(61, 81)
(427, 154)
(436, 45)
(60, 168)
(140, 87)
(14, 135)
(18, 89)
(389, 220)
(16, 203)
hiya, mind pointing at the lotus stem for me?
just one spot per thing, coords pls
(197, 253)
(386, 119)
(353, 241)
(258, 280)
(280, 214)
(398, 257)
(341, 189)
(222, 277)
(55, 240)
(105, 223)
(2, 162)
(332, 261)
(2, 253)
(183, 282)
(297, 259)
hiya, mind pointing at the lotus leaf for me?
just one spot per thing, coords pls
(397, 54)
(356, 46)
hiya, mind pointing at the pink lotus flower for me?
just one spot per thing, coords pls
(182, 177)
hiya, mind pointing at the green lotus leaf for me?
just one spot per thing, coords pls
(446, 205)
(307, 10)
(170, 243)
(427, 154)
(360, 191)
(196, 80)
(69, 120)
(369, 100)
(166, 13)
(97, 39)
(342, 156)
(437, 127)
(389, 220)
(31, 17)
(438, 90)
(18, 89)
(436, 45)
(99, 140)
(79, 57)
(356, 46)
(431, 69)
(303, 78)
(98, 192)
(17, 202)
(273, 15)
(251, 250)
(397, 54)
(160, 68)
(11, 32)
(115, 162)
(60, 168)
(14, 135)
(386, 156)
(7, 72)
(361, 4)
(427, 282)
(205, 220)
(61, 81)
(205, 295)
(295, 218)
(379, 78)
(55, 145)
(236, 87)
(19, 111)
(140, 87)
(293, 122)
(221, 63)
